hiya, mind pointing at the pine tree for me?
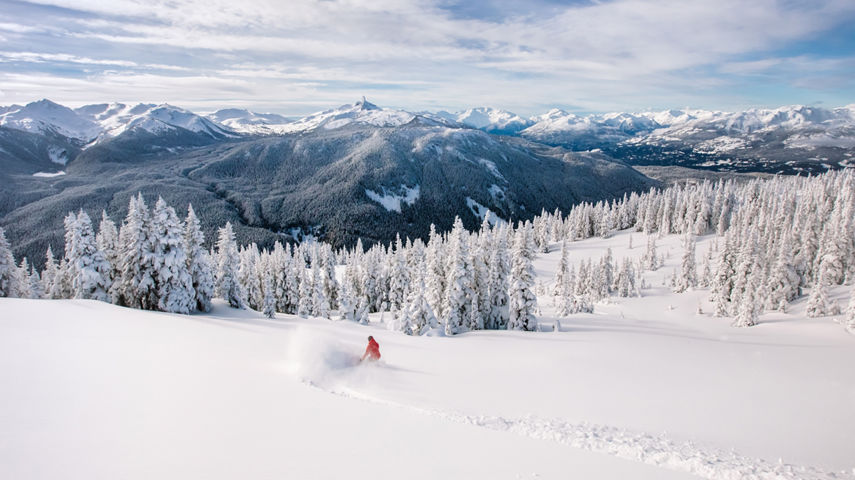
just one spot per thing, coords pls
(687, 278)
(307, 290)
(435, 274)
(173, 283)
(320, 304)
(88, 270)
(417, 317)
(347, 303)
(497, 317)
(135, 258)
(107, 240)
(22, 280)
(198, 262)
(522, 302)
(228, 264)
(456, 304)
(49, 274)
(784, 280)
(268, 306)
(561, 274)
(818, 304)
(748, 308)
(651, 261)
(35, 281)
(7, 266)
(398, 276)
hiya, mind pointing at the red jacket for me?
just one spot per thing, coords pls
(372, 351)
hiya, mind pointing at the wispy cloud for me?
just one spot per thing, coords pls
(292, 56)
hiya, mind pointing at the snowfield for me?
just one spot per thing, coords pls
(642, 388)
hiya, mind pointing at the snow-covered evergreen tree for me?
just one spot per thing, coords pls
(228, 263)
(457, 303)
(107, 240)
(687, 278)
(818, 304)
(522, 301)
(435, 273)
(268, 302)
(7, 266)
(320, 304)
(135, 259)
(417, 317)
(173, 283)
(497, 316)
(88, 270)
(198, 262)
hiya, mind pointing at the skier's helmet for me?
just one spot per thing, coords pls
(370, 338)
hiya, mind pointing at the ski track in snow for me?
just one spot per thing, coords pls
(656, 450)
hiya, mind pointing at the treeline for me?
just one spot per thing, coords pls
(775, 239)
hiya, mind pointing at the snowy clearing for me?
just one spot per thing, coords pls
(643, 388)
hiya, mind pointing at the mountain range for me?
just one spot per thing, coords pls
(360, 171)
(354, 172)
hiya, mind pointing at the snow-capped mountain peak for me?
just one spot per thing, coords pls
(361, 112)
(45, 117)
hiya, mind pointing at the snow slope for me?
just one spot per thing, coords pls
(117, 118)
(643, 388)
(244, 121)
(46, 117)
(362, 112)
(489, 119)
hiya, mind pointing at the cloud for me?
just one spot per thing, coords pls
(419, 53)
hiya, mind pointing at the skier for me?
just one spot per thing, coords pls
(372, 351)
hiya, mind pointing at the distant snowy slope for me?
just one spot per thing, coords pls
(117, 118)
(47, 117)
(361, 112)
(245, 121)
(491, 120)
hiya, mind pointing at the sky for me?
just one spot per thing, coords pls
(296, 57)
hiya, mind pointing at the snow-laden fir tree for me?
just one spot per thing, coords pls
(435, 273)
(35, 281)
(248, 277)
(292, 282)
(320, 304)
(749, 306)
(457, 303)
(87, 268)
(49, 273)
(559, 281)
(331, 286)
(279, 267)
(307, 290)
(135, 259)
(198, 262)
(228, 264)
(416, 316)
(687, 279)
(480, 260)
(723, 280)
(7, 267)
(173, 283)
(497, 316)
(651, 261)
(522, 302)
(398, 276)
(268, 303)
(22, 280)
(107, 240)
(784, 280)
(818, 304)
(347, 301)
